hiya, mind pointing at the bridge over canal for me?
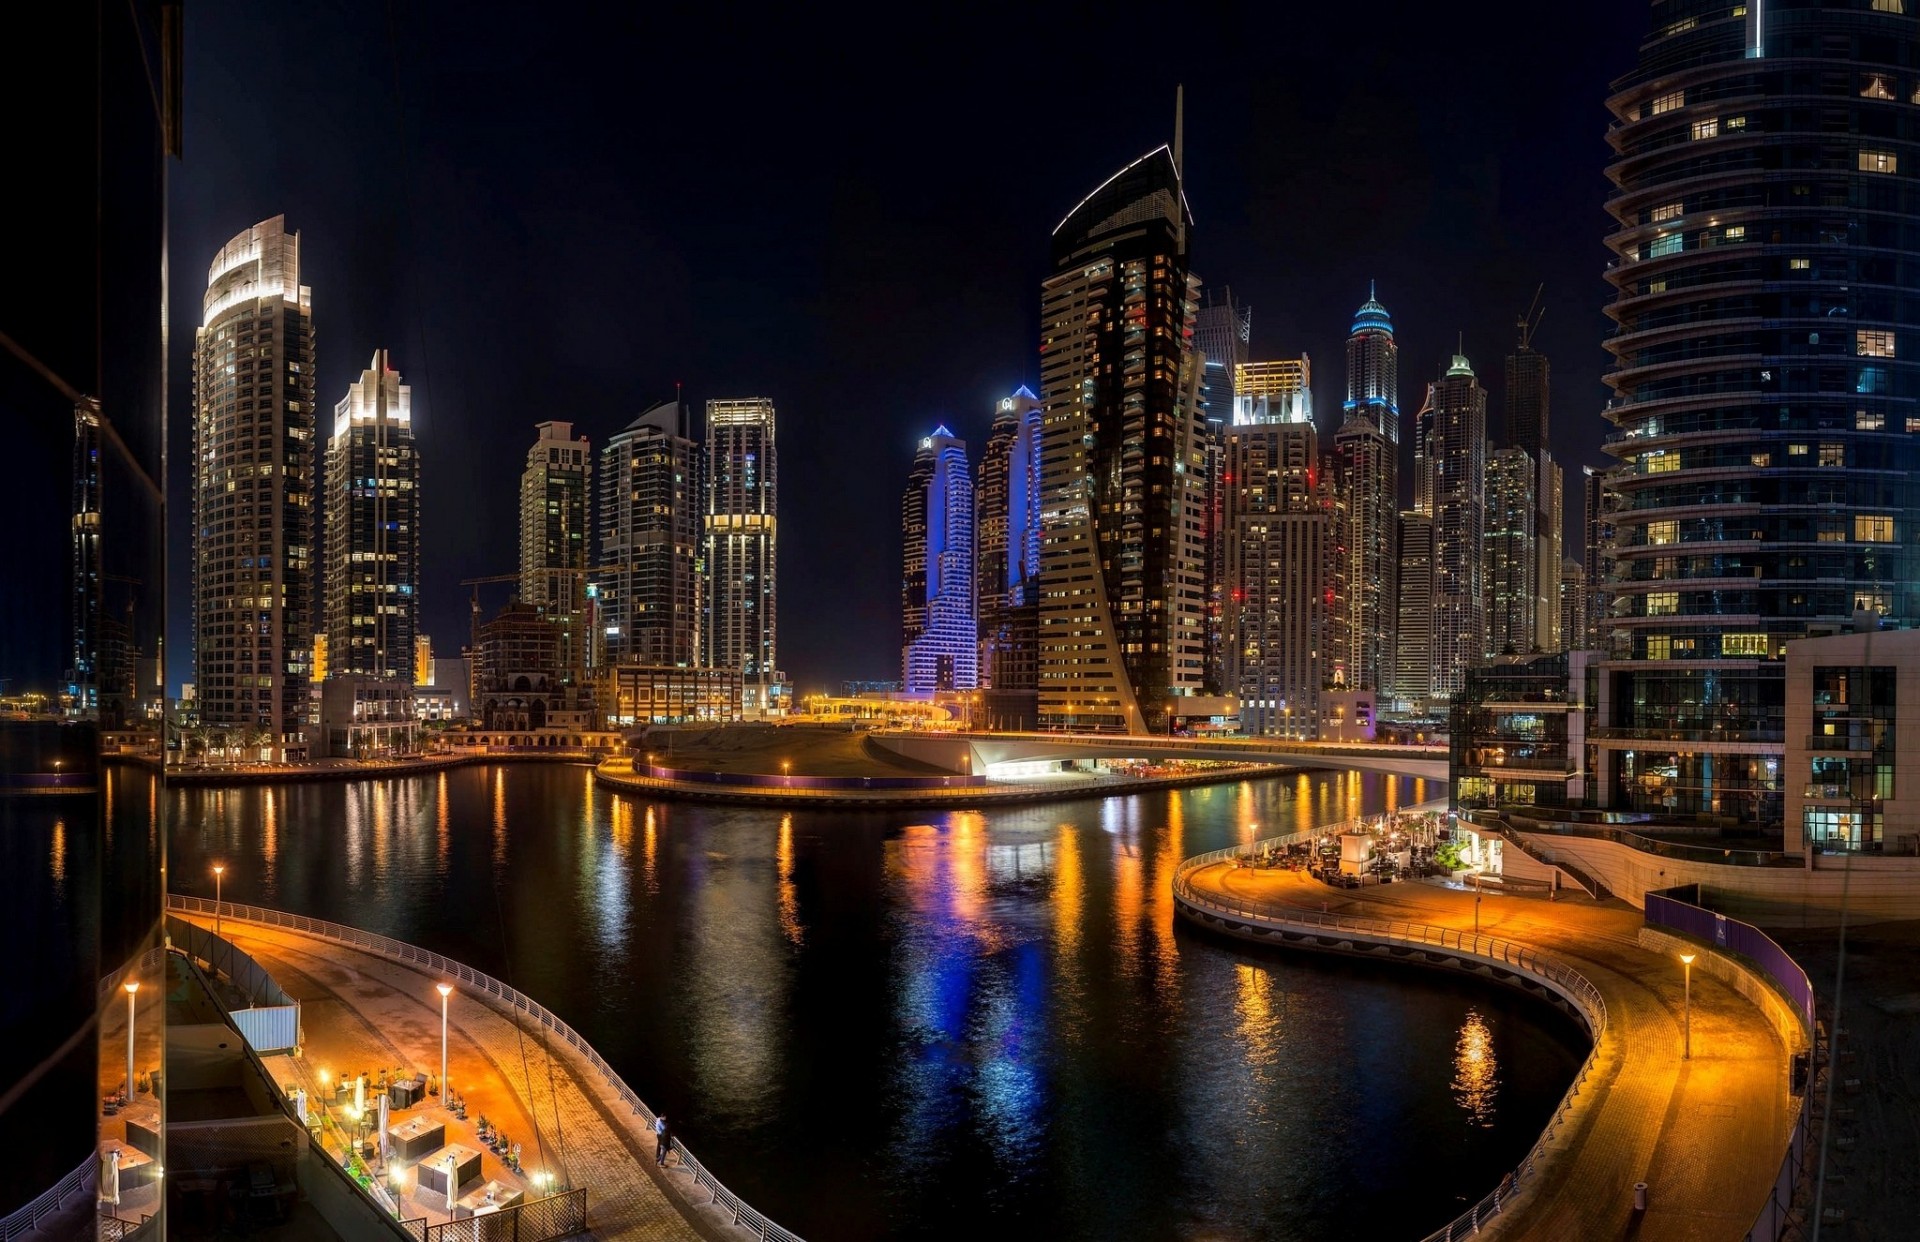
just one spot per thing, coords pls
(982, 752)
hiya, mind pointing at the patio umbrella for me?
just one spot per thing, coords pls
(383, 1125)
(360, 1094)
(452, 1189)
(110, 1176)
(300, 1104)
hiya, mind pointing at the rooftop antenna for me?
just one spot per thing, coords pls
(1530, 321)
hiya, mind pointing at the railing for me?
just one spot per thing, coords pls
(1565, 980)
(1721, 855)
(530, 1220)
(399, 950)
(53, 1199)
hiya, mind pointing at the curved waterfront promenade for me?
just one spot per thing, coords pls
(368, 1000)
(1706, 1134)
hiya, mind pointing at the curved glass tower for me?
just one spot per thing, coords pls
(1766, 297)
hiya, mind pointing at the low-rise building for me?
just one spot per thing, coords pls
(1518, 732)
(633, 694)
(1852, 774)
(364, 717)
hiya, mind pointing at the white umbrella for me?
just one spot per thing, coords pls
(360, 1094)
(110, 1176)
(300, 1104)
(452, 1189)
(383, 1125)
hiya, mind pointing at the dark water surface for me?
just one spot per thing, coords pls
(908, 1024)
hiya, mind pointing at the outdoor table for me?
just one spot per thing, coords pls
(476, 1203)
(143, 1131)
(136, 1166)
(433, 1168)
(416, 1136)
(404, 1094)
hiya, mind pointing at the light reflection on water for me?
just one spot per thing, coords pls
(888, 1026)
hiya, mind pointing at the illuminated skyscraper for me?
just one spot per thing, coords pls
(1222, 329)
(1529, 392)
(1413, 643)
(650, 518)
(1273, 392)
(555, 500)
(1123, 562)
(1367, 452)
(742, 482)
(83, 668)
(1459, 465)
(371, 608)
(1510, 544)
(940, 641)
(1766, 396)
(253, 491)
(1600, 502)
(1006, 529)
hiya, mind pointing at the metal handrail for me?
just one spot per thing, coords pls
(1564, 979)
(26, 1219)
(744, 1214)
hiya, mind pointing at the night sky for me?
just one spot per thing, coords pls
(548, 214)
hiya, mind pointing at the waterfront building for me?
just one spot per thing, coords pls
(741, 624)
(363, 717)
(939, 638)
(1277, 551)
(371, 603)
(555, 542)
(1006, 532)
(1517, 731)
(647, 597)
(639, 694)
(422, 660)
(1123, 559)
(1766, 397)
(1511, 546)
(521, 675)
(253, 492)
(1413, 646)
(1458, 462)
(1367, 450)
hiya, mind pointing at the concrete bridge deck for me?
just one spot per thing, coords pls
(1707, 1134)
(975, 752)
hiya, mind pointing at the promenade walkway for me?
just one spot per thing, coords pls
(361, 1011)
(1706, 1134)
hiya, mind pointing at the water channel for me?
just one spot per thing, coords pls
(906, 1024)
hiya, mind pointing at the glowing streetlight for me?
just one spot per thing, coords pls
(133, 985)
(446, 990)
(219, 869)
(786, 770)
(1686, 1053)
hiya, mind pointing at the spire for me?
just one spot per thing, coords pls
(1371, 295)
(1180, 132)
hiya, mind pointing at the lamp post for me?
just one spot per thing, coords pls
(1476, 905)
(133, 985)
(786, 771)
(1686, 1048)
(219, 869)
(446, 990)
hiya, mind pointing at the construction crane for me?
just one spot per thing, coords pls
(476, 584)
(1530, 321)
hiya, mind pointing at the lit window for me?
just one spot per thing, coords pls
(1873, 342)
(1661, 462)
(1913, 425)
(1799, 265)
(1873, 527)
(1668, 211)
(1735, 232)
(1869, 420)
(1670, 244)
(1876, 87)
(1871, 601)
(1663, 603)
(1761, 459)
(1833, 454)
(1879, 162)
(1889, 6)
(1736, 122)
(1710, 127)
(1680, 27)
(1656, 286)
(1743, 644)
(1667, 103)
(1796, 450)
(1659, 647)
(1663, 532)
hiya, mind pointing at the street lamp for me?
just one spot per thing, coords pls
(133, 985)
(446, 990)
(219, 869)
(786, 770)
(1686, 1053)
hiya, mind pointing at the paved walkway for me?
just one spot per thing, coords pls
(1707, 1135)
(360, 1011)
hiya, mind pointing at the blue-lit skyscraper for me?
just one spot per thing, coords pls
(939, 636)
(1367, 463)
(1006, 533)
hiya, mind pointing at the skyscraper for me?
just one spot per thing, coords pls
(647, 575)
(1277, 542)
(742, 481)
(1459, 465)
(1123, 562)
(371, 607)
(939, 638)
(1529, 395)
(1573, 603)
(1511, 544)
(253, 491)
(1765, 393)
(83, 667)
(1367, 452)
(1273, 392)
(1222, 329)
(1598, 509)
(1007, 564)
(555, 499)
(1413, 645)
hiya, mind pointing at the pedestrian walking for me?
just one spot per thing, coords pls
(662, 1140)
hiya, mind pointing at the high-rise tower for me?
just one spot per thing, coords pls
(647, 573)
(1222, 329)
(1459, 463)
(1511, 543)
(1529, 394)
(1766, 397)
(83, 666)
(371, 607)
(742, 481)
(939, 637)
(1007, 564)
(253, 491)
(1367, 454)
(555, 499)
(1123, 562)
